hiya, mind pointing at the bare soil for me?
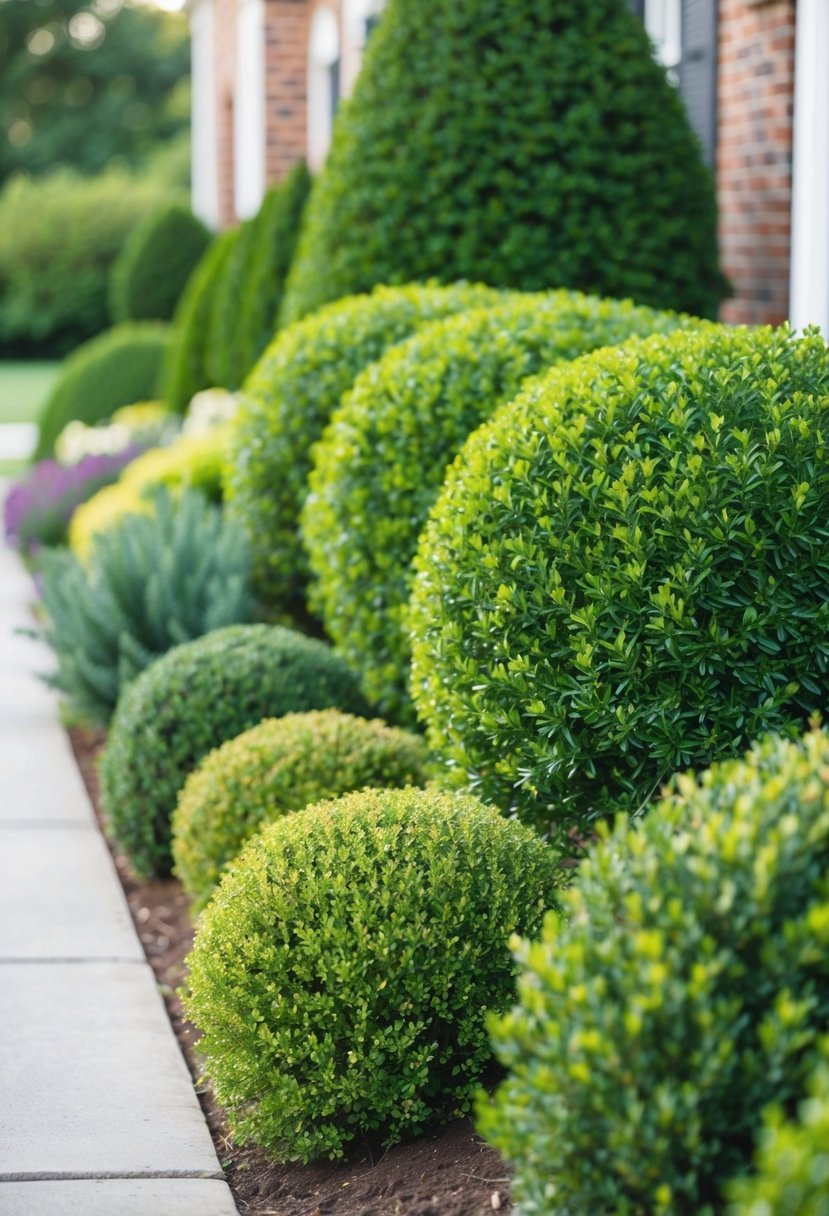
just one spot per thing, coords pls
(451, 1173)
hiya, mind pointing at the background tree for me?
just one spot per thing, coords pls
(82, 85)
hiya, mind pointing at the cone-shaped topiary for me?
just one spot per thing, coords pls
(382, 460)
(532, 144)
(683, 987)
(281, 765)
(289, 398)
(185, 370)
(344, 969)
(277, 233)
(222, 361)
(194, 699)
(121, 366)
(626, 572)
(153, 267)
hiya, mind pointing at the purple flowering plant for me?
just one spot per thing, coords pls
(38, 508)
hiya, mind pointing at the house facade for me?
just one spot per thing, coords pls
(268, 75)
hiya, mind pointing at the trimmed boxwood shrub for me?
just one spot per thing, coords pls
(544, 147)
(119, 367)
(382, 460)
(289, 398)
(222, 347)
(792, 1161)
(343, 970)
(682, 988)
(152, 269)
(281, 765)
(194, 462)
(191, 701)
(277, 232)
(625, 573)
(185, 371)
(149, 583)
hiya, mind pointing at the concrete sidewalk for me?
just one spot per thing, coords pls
(97, 1110)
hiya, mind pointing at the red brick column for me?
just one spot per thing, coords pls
(286, 83)
(754, 155)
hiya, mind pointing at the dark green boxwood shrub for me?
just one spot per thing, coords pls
(277, 232)
(625, 572)
(152, 270)
(544, 147)
(150, 583)
(185, 370)
(289, 398)
(382, 460)
(120, 367)
(59, 237)
(792, 1161)
(222, 348)
(191, 701)
(343, 970)
(279, 766)
(682, 988)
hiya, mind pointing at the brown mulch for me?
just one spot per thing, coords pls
(452, 1173)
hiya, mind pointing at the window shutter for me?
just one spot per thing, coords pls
(698, 71)
(638, 7)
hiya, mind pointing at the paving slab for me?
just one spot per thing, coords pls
(118, 1197)
(39, 779)
(60, 898)
(93, 1080)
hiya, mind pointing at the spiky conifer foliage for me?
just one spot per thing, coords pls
(533, 144)
(150, 583)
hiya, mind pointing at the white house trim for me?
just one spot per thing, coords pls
(249, 137)
(323, 60)
(205, 167)
(809, 296)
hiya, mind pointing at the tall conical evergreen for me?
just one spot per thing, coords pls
(532, 144)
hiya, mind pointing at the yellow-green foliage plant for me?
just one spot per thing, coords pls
(381, 462)
(343, 970)
(625, 573)
(792, 1161)
(191, 701)
(279, 766)
(289, 398)
(682, 988)
(194, 462)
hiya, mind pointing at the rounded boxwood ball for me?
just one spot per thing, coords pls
(382, 460)
(344, 969)
(281, 765)
(626, 572)
(683, 987)
(290, 396)
(194, 698)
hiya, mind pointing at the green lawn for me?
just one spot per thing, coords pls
(23, 389)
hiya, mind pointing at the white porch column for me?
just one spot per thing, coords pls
(249, 138)
(204, 171)
(809, 298)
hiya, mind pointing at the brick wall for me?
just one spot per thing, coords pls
(286, 75)
(754, 155)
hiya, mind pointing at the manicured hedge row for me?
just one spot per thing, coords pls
(382, 460)
(289, 398)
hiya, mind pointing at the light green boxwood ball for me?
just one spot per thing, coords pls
(792, 1161)
(196, 697)
(342, 973)
(682, 988)
(626, 573)
(290, 396)
(279, 766)
(382, 460)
